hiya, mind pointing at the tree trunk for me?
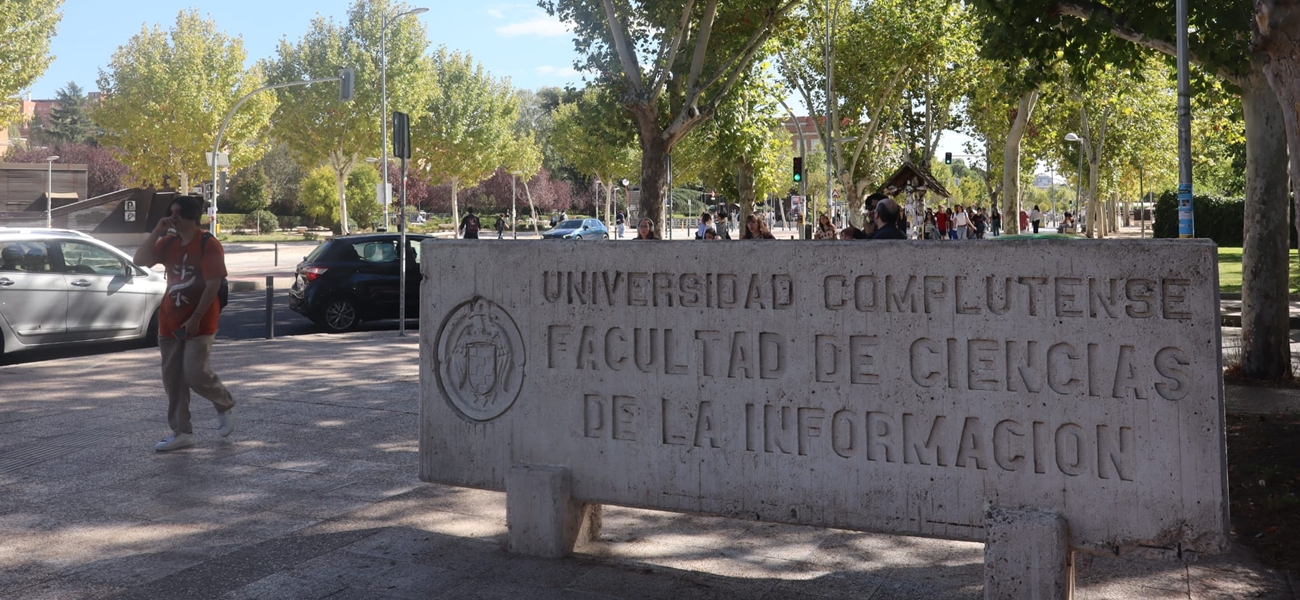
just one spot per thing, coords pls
(455, 206)
(341, 184)
(1011, 161)
(745, 191)
(532, 209)
(1266, 349)
(653, 178)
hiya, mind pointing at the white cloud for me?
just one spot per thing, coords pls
(495, 14)
(548, 70)
(540, 26)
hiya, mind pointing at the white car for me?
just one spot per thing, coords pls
(64, 287)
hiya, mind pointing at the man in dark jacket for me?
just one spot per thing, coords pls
(887, 221)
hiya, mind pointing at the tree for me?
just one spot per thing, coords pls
(524, 159)
(26, 27)
(318, 195)
(165, 94)
(699, 53)
(282, 177)
(464, 132)
(250, 190)
(745, 144)
(1275, 41)
(1041, 28)
(876, 46)
(70, 118)
(595, 135)
(317, 128)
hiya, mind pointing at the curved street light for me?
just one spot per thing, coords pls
(383, 98)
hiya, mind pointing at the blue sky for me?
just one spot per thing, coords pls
(512, 39)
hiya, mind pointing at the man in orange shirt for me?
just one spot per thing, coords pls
(187, 323)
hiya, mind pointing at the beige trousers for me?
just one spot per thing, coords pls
(185, 367)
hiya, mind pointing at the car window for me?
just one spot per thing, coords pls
(29, 256)
(89, 259)
(377, 251)
(413, 249)
(570, 224)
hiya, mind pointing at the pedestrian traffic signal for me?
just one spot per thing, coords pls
(798, 169)
(947, 158)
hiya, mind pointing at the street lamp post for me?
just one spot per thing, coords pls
(49, 190)
(383, 99)
(514, 213)
(1070, 137)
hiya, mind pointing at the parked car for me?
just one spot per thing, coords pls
(355, 278)
(578, 229)
(64, 287)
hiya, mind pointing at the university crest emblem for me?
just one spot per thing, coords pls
(480, 361)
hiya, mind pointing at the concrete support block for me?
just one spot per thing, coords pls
(1027, 555)
(541, 514)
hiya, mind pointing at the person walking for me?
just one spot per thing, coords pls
(995, 222)
(469, 225)
(941, 222)
(187, 320)
(620, 220)
(1035, 218)
(961, 223)
(501, 226)
(980, 222)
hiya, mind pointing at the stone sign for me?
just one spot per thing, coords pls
(901, 387)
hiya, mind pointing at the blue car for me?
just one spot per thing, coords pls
(578, 229)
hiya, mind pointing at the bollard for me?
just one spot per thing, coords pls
(277, 254)
(270, 307)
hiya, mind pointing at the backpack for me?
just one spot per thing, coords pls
(471, 226)
(223, 292)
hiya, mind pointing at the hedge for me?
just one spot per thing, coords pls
(1219, 219)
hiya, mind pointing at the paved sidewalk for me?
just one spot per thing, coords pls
(316, 495)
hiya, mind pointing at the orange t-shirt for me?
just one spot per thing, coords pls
(189, 267)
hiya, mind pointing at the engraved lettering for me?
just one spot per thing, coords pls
(1007, 437)
(616, 351)
(880, 437)
(1035, 288)
(844, 433)
(896, 300)
(625, 413)
(1128, 376)
(991, 297)
(593, 416)
(928, 452)
(779, 429)
(1173, 293)
(964, 308)
(1067, 298)
(771, 356)
(1115, 454)
(864, 293)
(705, 430)
(1109, 300)
(862, 359)
(557, 342)
(1060, 370)
(981, 365)
(588, 357)
(1024, 364)
(826, 358)
(923, 354)
(810, 426)
(1071, 449)
(936, 288)
(1172, 364)
(833, 292)
(972, 445)
(1140, 293)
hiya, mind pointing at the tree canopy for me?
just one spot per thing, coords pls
(26, 27)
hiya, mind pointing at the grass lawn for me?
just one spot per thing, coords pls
(1230, 271)
(281, 237)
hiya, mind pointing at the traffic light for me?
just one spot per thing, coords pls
(401, 135)
(947, 158)
(798, 169)
(347, 84)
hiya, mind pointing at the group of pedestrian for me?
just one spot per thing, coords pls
(960, 223)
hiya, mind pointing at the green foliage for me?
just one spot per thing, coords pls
(261, 221)
(363, 201)
(1219, 219)
(595, 135)
(165, 94)
(26, 27)
(282, 177)
(464, 133)
(70, 118)
(250, 190)
(319, 195)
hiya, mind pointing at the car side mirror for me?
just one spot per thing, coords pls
(586, 227)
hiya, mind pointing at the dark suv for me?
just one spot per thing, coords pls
(355, 278)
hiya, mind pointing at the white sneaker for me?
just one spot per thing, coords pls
(175, 441)
(226, 422)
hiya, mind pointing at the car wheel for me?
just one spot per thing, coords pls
(339, 315)
(604, 237)
(577, 237)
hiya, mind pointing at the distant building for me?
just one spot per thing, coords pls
(809, 128)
